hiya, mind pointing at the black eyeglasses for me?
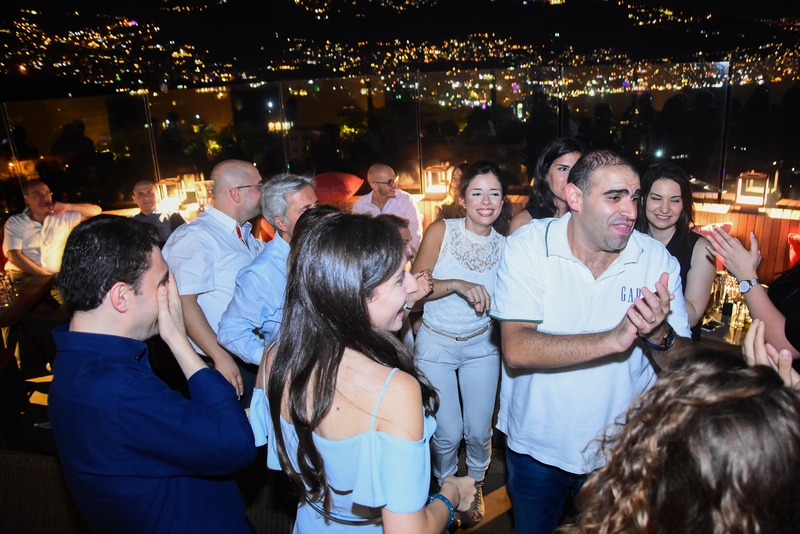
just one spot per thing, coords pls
(387, 183)
(259, 185)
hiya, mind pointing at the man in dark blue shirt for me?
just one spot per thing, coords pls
(137, 456)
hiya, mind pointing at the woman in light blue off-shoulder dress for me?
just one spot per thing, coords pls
(339, 402)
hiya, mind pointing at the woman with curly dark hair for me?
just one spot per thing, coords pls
(339, 402)
(712, 447)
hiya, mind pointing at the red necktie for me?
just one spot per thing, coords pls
(241, 237)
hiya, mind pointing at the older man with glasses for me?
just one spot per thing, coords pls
(254, 315)
(34, 239)
(387, 198)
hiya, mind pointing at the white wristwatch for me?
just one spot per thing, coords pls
(747, 285)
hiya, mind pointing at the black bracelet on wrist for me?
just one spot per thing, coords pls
(447, 503)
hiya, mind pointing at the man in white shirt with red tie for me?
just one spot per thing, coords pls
(206, 254)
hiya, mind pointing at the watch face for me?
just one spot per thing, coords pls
(744, 286)
(669, 340)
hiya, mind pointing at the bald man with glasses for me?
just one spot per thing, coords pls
(385, 197)
(206, 254)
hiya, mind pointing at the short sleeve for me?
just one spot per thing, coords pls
(13, 235)
(520, 286)
(678, 316)
(73, 218)
(190, 255)
(259, 417)
(393, 472)
(264, 432)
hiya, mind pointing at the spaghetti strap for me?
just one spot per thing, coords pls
(380, 398)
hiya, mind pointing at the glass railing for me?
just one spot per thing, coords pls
(652, 114)
(763, 143)
(506, 116)
(85, 149)
(734, 129)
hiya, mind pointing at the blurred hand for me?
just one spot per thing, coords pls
(58, 208)
(757, 352)
(170, 312)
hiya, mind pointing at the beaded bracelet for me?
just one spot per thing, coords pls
(447, 503)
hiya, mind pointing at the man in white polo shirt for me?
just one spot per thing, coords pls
(206, 254)
(579, 298)
(34, 239)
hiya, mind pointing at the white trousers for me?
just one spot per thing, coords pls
(473, 368)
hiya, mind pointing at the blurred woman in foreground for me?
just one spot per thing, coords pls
(712, 447)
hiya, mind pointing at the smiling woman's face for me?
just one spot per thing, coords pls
(664, 204)
(386, 306)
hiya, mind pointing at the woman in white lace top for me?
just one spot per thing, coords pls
(456, 333)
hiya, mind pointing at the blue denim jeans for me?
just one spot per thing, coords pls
(538, 493)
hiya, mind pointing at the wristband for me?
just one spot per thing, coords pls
(447, 503)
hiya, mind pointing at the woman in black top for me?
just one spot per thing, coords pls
(666, 213)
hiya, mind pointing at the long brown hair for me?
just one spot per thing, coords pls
(334, 268)
(542, 199)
